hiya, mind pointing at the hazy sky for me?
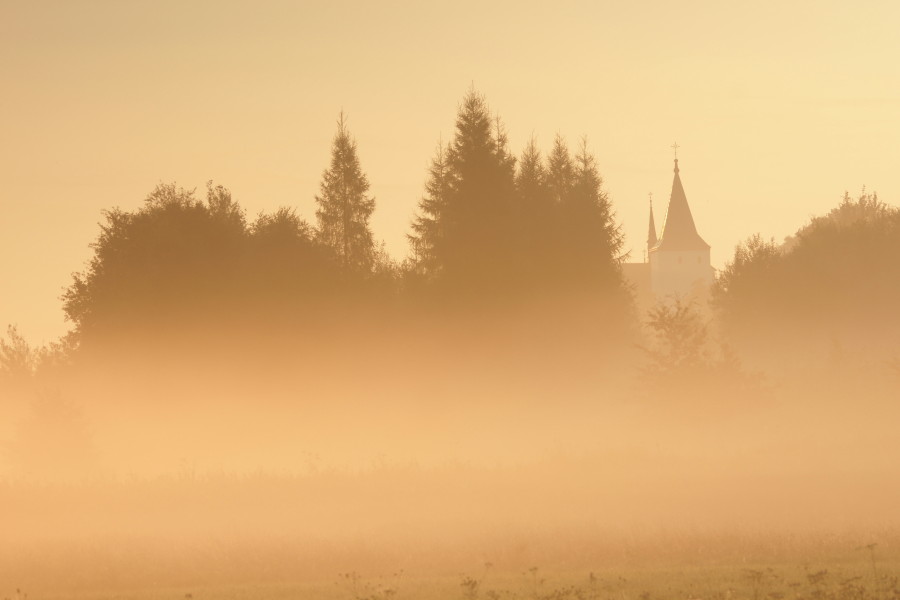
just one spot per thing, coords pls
(778, 108)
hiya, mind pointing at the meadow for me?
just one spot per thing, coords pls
(720, 567)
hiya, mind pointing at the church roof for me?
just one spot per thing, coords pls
(651, 233)
(678, 230)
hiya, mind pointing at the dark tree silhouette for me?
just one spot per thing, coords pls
(285, 266)
(560, 171)
(488, 225)
(158, 263)
(578, 239)
(537, 216)
(179, 261)
(833, 282)
(427, 235)
(592, 241)
(344, 204)
(463, 230)
(531, 181)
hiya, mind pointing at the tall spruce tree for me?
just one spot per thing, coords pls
(505, 158)
(468, 237)
(345, 206)
(426, 238)
(594, 240)
(531, 177)
(536, 215)
(560, 171)
(488, 224)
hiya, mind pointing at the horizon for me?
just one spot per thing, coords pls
(769, 133)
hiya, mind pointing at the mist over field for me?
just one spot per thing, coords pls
(433, 440)
(537, 354)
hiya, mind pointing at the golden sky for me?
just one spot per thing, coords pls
(778, 107)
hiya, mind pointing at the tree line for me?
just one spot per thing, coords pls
(493, 232)
(833, 283)
(489, 226)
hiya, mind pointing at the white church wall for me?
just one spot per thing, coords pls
(679, 272)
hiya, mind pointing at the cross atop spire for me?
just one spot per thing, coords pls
(678, 230)
(675, 148)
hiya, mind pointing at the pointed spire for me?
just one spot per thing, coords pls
(651, 233)
(678, 230)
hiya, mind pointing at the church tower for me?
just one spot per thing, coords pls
(679, 260)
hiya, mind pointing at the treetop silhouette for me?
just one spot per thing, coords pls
(344, 204)
(487, 224)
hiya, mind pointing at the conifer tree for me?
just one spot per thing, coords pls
(594, 239)
(345, 206)
(426, 239)
(531, 177)
(505, 158)
(560, 171)
(487, 224)
(536, 216)
(473, 232)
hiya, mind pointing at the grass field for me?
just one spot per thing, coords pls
(824, 581)
(808, 567)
